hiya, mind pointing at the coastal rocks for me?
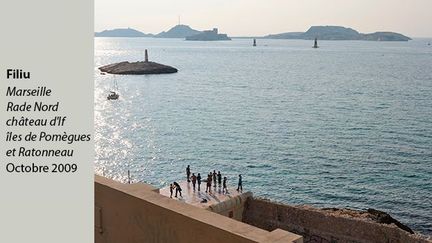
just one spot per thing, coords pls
(385, 218)
(371, 214)
(329, 224)
(137, 68)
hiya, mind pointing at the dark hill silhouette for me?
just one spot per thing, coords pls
(339, 33)
(178, 31)
(122, 33)
(331, 33)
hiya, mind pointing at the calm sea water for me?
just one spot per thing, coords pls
(345, 125)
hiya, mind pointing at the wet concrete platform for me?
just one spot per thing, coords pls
(196, 198)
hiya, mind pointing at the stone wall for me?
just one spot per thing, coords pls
(321, 226)
(233, 208)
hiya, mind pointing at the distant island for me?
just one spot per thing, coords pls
(137, 68)
(178, 31)
(338, 33)
(208, 35)
(122, 33)
(320, 32)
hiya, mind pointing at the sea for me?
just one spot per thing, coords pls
(346, 125)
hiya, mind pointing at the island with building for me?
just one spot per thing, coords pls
(178, 31)
(208, 35)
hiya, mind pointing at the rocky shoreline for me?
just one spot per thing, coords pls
(329, 224)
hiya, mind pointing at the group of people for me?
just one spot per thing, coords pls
(215, 177)
(212, 177)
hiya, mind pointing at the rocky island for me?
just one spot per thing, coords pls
(178, 31)
(125, 32)
(339, 33)
(208, 35)
(137, 68)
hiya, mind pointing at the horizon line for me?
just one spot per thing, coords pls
(254, 36)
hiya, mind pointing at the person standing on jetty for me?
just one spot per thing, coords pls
(188, 173)
(240, 184)
(178, 189)
(224, 188)
(214, 178)
(194, 179)
(171, 190)
(199, 181)
(219, 178)
(209, 180)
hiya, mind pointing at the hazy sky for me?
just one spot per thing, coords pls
(261, 17)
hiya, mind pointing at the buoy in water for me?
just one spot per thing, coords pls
(316, 43)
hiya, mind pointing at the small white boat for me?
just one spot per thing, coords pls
(113, 96)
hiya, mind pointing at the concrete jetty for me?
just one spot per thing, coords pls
(229, 204)
(137, 68)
